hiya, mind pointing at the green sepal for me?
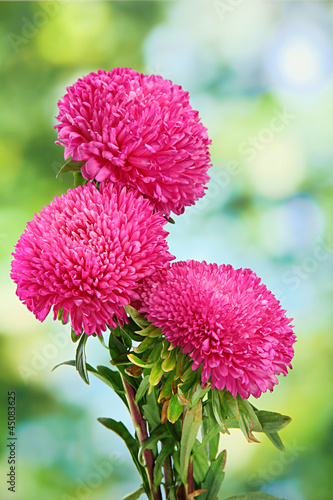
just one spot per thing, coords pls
(71, 166)
(214, 478)
(131, 443)
(79, 180)
(74, 337)
(190, 428)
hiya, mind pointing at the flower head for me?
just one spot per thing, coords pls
(137, 130)
(226, 320)
(86, 252)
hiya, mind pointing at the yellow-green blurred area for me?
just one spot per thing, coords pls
(260, 74)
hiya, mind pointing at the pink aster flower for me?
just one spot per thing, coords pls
(227, 321)
(86, 252)
(137, 130)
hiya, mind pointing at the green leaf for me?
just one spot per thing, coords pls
(167, 450)
(71, 166)
(131, 443)
(135, 495)
(151, 411)
(229, 405)
(248, 420)
(148, 343)
(216, 407)
(138, 318)
(139, 362)
(116, 347)
(150, 443)
(213, 433)
(156, 374)
(254, 495)
(122, 359)
(191, 424)
(170, 362)
(271, 421)
(166, 391)
(72, 363)
(214, 478)
(130, 329)
(175, 409)
(142, 389)
(200, 463)
(80, 358)
(276, 440)
(199, 394)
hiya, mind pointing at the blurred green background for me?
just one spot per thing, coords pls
(260, 74)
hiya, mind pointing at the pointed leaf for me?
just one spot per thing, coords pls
(167, 450)
(138, 318)
(132, 445)
(71, 166)
(214, 478)
(191, 424)
(151, 411)
(248, 420)
(276, 440)
(142, 389)
(156, 374)
(146, 344)
(80, 359)
(135, 495)
(170, 362)
(139, 362)
(229, 405)
(200, 463)
(166, 391)
(174, 409)
(271, 421)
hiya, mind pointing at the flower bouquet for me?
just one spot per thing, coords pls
(189, 342)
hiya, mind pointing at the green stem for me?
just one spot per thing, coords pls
(141, 430)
